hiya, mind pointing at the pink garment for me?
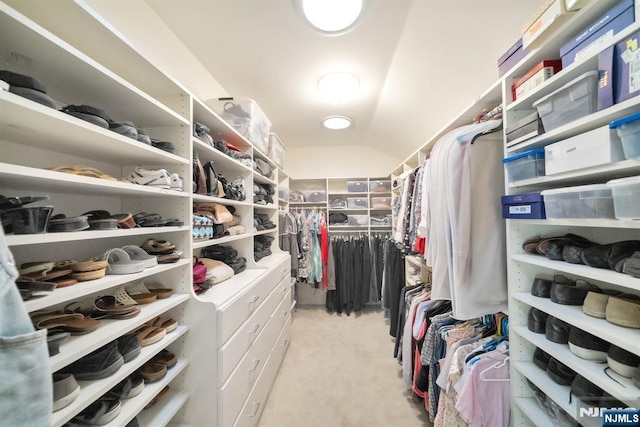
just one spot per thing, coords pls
(484, 399)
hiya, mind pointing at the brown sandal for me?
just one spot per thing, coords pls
(151, 371)
(165, 357)
(148, 335)
(157, 397)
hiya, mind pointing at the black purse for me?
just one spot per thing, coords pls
(216, 183)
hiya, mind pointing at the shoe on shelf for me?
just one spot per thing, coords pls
(151, 178)
(573, 294)
(587, 346)
(595, 303)
(557, 330)
(622, 362)
(537, 320)
(100, 363)
(559, 372)
(624, 310)
(65, 390)
(541, 358)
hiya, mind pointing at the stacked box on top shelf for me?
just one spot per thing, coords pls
(276, 150)
(245, 116)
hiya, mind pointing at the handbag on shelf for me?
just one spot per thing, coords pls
(201, 132)
(199, 176)
(215, 182)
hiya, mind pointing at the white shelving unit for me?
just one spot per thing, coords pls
(100, 68)
(524, 267)
(334, 188)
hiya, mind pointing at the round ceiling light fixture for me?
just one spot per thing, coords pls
(339, 87)
(332, 16)
(337, 122)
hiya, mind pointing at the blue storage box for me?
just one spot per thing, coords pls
(599, 33)
(523, 206)
(511, 57)
(529, 164)
(605, 78)
(625, 67)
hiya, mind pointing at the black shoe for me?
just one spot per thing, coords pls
(541, 287)
(571, 294)
(586, 391)
(98, 364)
(587, 346)
(541, 358)
(622, 361)
(537, 320)
(559, 372)
(556, 330)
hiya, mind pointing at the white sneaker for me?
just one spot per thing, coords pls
(152, 178)
(176, 182)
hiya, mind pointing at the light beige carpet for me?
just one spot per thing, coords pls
(339, 371)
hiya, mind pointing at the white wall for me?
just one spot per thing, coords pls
(338, 162)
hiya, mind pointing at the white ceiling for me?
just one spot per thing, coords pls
(419, 62)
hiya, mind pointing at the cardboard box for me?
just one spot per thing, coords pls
(547, 19)
(511, 57)
(599, 33)
(534, 77)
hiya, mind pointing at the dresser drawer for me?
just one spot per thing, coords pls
(234, 392)
(253, 407)
(282, 313)
(231, 316)
(232, 351)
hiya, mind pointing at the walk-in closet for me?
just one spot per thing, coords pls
(319, 212)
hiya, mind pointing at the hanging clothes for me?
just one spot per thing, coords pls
(465, 184)
(288, 238)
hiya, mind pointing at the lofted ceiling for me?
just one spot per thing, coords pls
(419, 62)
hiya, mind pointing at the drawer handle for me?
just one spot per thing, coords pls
(254, 330)
(284, 313)
(256, 362)
(285, 342)
(284, 289)
(254, 299)
(256, 406)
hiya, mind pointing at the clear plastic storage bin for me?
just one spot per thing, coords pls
(584, 201)
(244, 115)
(276, 150)
(357, 203)
(381, 202)
(380, 186)
(574, 100)
(357, 186)
(358, 219)
(628, 129)
(626, 197)
(529, 164)
(283, 193)
(315, 196)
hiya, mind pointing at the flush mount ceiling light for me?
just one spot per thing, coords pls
(332, 16)
(338, 87)
(336, 122)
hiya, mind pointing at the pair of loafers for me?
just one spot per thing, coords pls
(562, 290)
(554, 329)
(576, 249)
(616, 307)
